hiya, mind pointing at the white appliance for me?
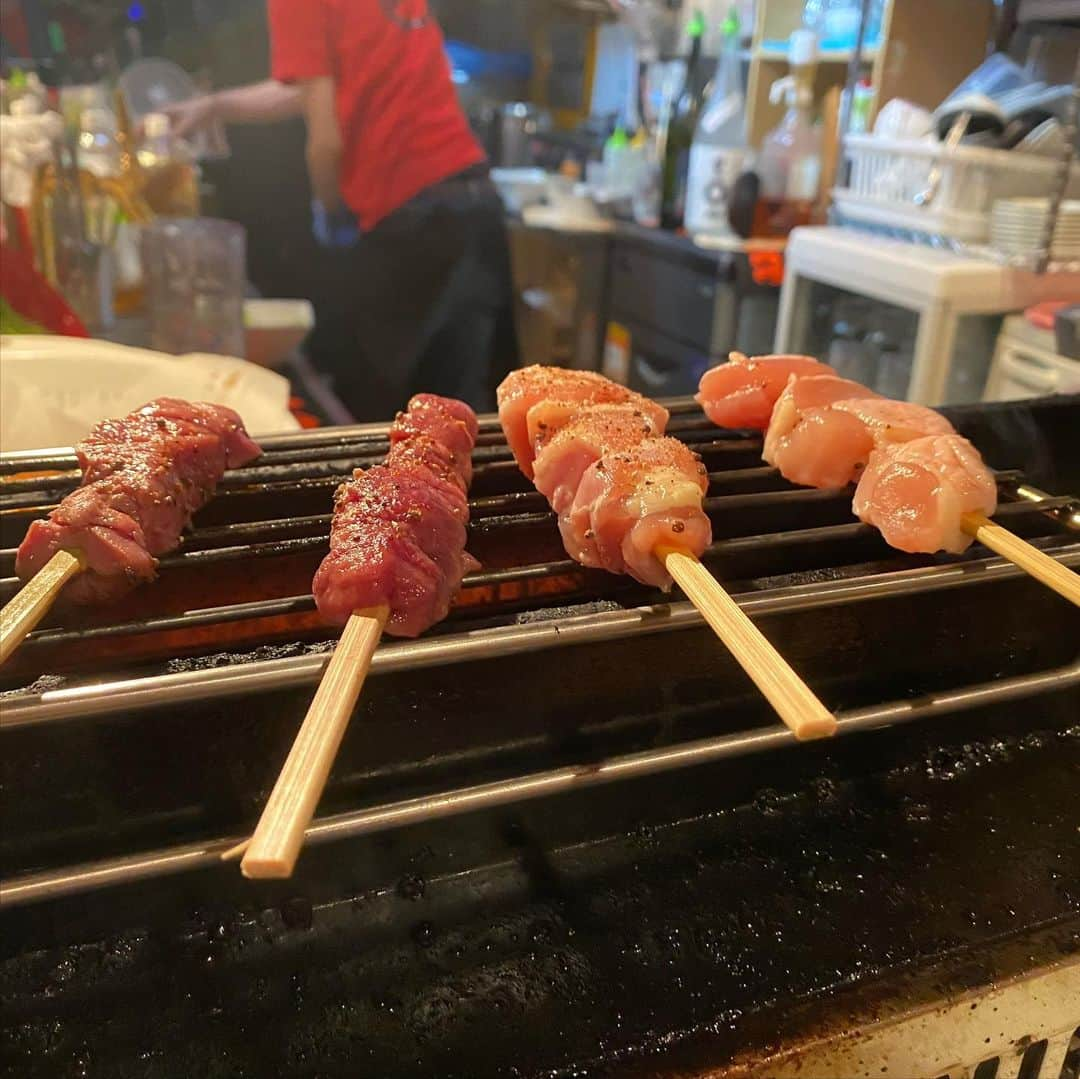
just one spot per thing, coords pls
(944, 297)
(1027, 364)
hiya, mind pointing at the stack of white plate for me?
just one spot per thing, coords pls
(1016, 227)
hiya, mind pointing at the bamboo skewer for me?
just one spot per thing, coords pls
(1049, 571)
(274, 847)
(32, 603)
(792, 698)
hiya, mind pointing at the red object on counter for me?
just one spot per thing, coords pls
(766, 267)
(1042, 315)
(298, 407)
(33, 297)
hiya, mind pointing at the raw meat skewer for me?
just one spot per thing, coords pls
(629, 500)
(559, 391)
(741, 393)
(921, 484)
(397, 558)
(144, 477)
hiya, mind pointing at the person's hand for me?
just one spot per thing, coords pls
(191, 116)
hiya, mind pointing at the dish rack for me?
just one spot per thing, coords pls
(887, 176)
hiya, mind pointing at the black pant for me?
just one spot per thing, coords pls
(422, 303)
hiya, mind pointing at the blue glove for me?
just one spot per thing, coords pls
(334, 228)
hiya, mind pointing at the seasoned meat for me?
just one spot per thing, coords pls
(630, 502)
(529, 386)
(398, 533)
(144, 476)
(594, 430)
(451, 424)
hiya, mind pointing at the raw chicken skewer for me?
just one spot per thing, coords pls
(144, 476)
(923, 486)
(742, 392)
(629, 500)
(397, 558)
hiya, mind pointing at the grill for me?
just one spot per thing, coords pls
(459, 867)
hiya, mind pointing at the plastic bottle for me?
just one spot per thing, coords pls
(789, 164)
(719, 151)
(617, 163)
(99, 152)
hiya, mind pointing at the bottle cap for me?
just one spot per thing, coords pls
(696, 25)
(730, 26)
(802, 48)
(617, 139)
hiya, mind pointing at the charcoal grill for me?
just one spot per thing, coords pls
(141, 741)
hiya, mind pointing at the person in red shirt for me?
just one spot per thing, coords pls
(402, 199)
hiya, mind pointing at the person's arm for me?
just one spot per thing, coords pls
(257, 103)
(323, 140)
(302, 39)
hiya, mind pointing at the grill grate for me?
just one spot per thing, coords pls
(241, 576)
(239, 586)
(702, 914)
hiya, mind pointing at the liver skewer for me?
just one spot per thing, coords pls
(144, 477)
(397, 558)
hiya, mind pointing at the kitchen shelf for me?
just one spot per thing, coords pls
(922, 53)
(825, 56)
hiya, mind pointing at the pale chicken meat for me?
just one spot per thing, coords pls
(810, 441)
(741, 393)
(890, 422)
(582, 440)
(916, 493)
(630, 503)
(824, 429)
(562, 391)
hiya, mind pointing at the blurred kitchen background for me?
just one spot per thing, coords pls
(889, 185)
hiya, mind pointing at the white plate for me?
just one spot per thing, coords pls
(54, 389)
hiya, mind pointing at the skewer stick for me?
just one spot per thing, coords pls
(1021, 553)
(275, 846)
(32, 603)
(792, 698)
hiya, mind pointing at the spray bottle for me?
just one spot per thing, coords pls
(789, 164)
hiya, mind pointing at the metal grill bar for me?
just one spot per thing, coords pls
(528, 507)
(27, 494)
(718, 505)
(245, 679)
(73, 880)
(537, 571)
(328, 438)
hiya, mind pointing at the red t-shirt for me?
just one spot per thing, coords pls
(401, 125)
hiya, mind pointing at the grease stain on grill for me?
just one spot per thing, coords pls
(185, 664)
(548, 614)
(412, 887)
(297, 913)
(46, 683)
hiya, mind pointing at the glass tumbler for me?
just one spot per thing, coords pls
(195, 279)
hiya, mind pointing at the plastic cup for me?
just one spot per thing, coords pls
(195, 279)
